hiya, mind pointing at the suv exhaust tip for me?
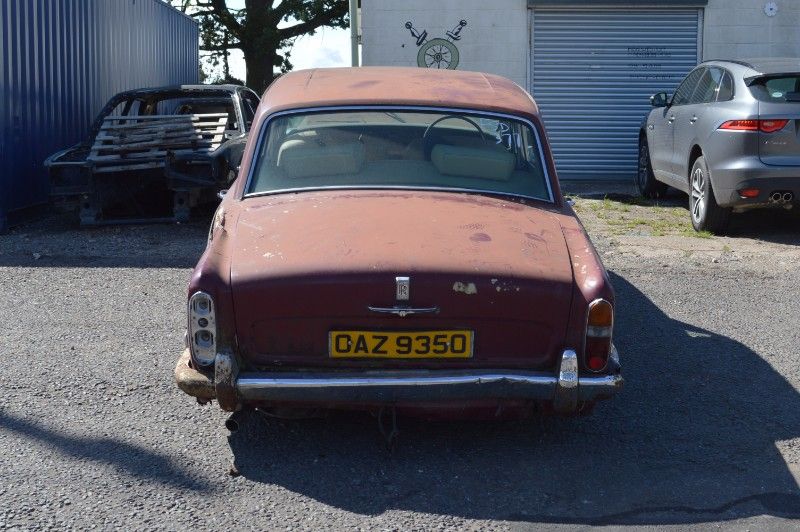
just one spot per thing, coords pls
(781, 198)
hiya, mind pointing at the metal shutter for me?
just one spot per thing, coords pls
(593, 71)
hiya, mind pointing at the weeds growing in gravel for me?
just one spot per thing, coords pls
(629, 215)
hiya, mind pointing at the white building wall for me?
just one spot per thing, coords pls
(497, 36)
(494, 40)
(739, 29)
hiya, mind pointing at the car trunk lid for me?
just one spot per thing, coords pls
(779, 118)
(781, 147)
(311, 263)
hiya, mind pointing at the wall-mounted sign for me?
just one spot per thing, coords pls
(437, 52)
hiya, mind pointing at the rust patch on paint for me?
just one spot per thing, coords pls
(192, 381)
(225, 372)
(465, 288)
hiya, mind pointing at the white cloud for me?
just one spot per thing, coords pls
(328, 47)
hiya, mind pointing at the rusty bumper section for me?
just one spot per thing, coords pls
(193, 382)
(567, 390)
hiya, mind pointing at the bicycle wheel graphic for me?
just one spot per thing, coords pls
(438, 53)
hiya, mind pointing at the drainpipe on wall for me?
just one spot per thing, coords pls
(354, 31)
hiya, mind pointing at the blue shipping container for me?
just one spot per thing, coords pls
(61, 60)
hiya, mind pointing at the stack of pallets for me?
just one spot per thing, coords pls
(127, 143)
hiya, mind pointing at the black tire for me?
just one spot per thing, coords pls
(704, 211)
(646, 182)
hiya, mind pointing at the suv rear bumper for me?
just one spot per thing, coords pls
(566, 390)
(731, 176)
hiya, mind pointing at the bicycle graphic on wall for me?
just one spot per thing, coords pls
(437, 52)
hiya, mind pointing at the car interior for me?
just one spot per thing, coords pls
(415, 150)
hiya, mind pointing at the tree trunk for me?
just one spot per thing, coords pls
(259, 69)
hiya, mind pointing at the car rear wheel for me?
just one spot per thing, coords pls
(706, 214)
(646, 182)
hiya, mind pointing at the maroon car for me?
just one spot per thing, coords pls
(397, 237)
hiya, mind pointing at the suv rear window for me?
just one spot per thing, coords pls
(777, 89)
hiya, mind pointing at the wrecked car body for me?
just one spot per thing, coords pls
(397, 239)
(153, 154)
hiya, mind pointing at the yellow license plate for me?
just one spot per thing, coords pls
(406, 344)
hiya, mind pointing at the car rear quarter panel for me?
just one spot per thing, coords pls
(591, 280)
(212, 273)
(728, 153)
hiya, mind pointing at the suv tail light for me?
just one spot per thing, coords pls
(599, 328)
(765, 126)
(202, 329)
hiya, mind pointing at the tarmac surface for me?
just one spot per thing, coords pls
(95, 434)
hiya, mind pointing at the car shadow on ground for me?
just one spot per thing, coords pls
(131, 460)
(691, 439)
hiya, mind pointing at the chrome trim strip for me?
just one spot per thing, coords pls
(247, 382)
(266, 122)
(404, 311)
(565, 389)
(393, 187)
(568, 372)
(330, 387)
(226, 372)
(566, 396)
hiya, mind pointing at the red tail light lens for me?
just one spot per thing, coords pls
(771, 126)
(599, 328)
(740, 125)
(765, 126)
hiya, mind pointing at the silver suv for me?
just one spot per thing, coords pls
(729, 137)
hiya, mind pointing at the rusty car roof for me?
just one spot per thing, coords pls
(402, 86)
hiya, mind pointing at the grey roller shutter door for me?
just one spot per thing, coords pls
(593, 71)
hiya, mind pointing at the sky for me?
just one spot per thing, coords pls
(328, 47)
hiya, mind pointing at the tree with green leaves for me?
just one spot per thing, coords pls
(261, 29)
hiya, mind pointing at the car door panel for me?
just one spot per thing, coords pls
(659, 140)
(690, 121)
(685, 111)
(661, 130)
(685, 137)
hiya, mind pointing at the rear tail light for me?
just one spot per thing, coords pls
(202, 331)
(765, 126)
(599, 328)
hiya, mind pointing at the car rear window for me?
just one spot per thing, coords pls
(777, 89)
(399, 148)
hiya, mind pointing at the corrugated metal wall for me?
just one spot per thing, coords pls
(61, 60)
(593, 71)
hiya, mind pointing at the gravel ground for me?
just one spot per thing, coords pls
(94, 433)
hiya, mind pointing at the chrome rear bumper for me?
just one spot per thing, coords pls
(566, 389)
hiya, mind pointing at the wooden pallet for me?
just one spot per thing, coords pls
(142, 142)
